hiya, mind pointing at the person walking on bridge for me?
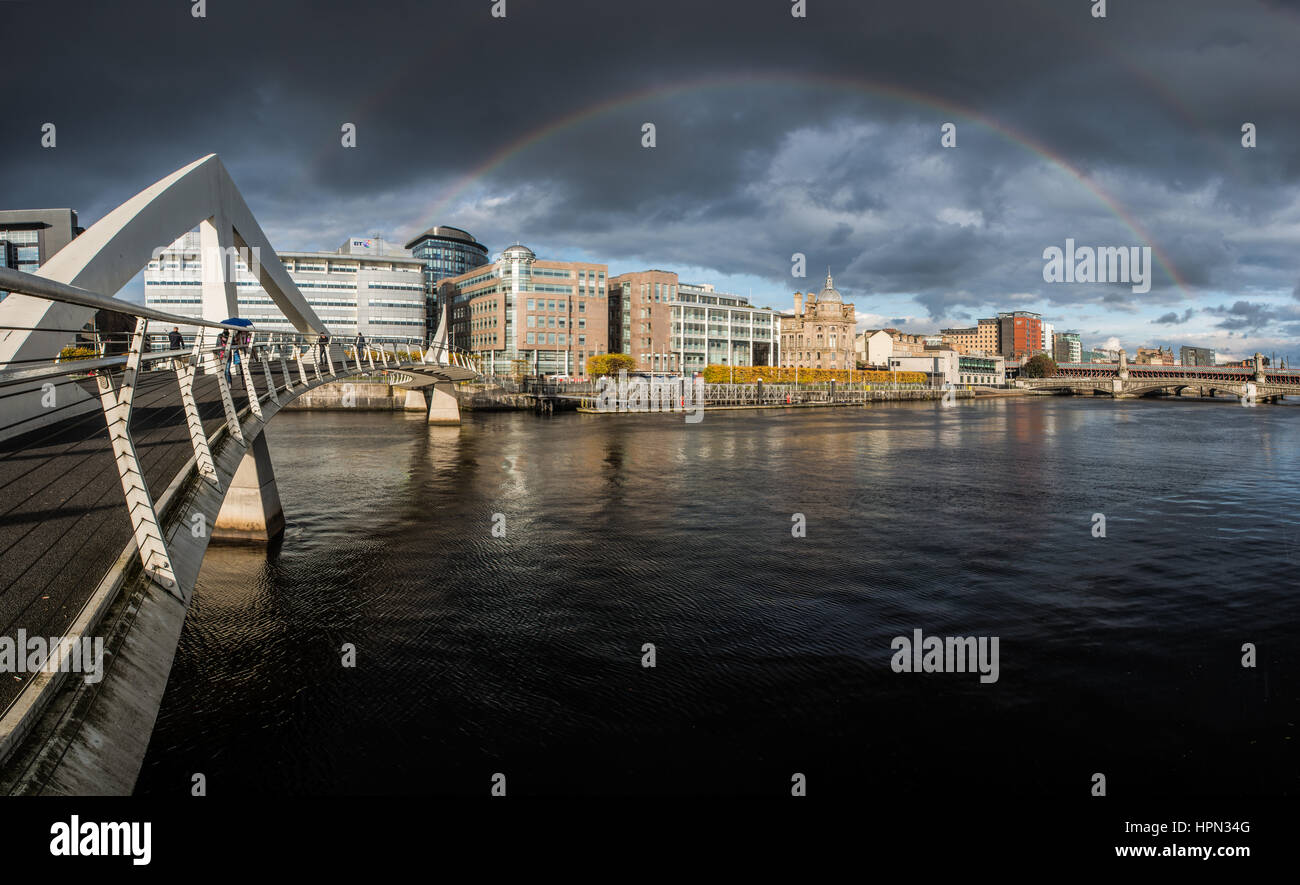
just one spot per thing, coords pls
(222, 340)
(322, 345)
(360, 345)
(175, 342)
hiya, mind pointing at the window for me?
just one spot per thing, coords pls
(530, 304)
(531, 336)
(550, 338)
(532, 321)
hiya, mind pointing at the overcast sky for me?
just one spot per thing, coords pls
(775, 135)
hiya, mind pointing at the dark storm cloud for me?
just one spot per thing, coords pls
(750, 167)
(1250, 315)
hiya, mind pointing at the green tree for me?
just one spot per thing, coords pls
(1040, 365)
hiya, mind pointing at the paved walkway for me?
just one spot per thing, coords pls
(63, 522)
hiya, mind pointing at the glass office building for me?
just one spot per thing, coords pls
(446, 252)
(29, 237)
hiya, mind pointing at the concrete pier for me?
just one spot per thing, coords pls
(251, 511)
(415, 401)
(443, 406)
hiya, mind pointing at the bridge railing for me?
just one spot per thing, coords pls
(100, 423)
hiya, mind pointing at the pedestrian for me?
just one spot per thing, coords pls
(360, 345)
(240, 339)
(322, 345)
(222, 340)
(175, 342)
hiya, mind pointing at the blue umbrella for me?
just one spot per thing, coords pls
(236, 321)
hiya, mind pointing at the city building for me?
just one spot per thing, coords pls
(641, 317)
(943, 366)
(525, 315)
(819, 334)
(28, 237)
(981, 369)
(1067, 348)
(359, 287)
(874, 347)
(987, 332)
(1020, 334)
(1154, 356)
(1048, 343)
(1197, 356)
(711, 327)
(963, 340)
(446, 252)
(1100, 355)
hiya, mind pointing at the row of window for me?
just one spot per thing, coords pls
(551, 338)
(549, 305)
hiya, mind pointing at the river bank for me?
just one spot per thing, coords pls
(381, 396)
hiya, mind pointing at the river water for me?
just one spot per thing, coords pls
(521, 651)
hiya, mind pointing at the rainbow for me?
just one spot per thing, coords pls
(885, 90)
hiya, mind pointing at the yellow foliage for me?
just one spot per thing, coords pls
(716, 374)
(73, 352)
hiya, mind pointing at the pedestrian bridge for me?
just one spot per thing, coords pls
(1257, 383)
(121, 461)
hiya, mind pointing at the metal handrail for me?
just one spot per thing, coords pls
(30, 284)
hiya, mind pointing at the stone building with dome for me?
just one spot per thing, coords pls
(819, 334)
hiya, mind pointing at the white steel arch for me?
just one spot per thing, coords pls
(118, 246)
(105, 258)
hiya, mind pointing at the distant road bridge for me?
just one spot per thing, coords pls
(1122, 380)
(118, 465)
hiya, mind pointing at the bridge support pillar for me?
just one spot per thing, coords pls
(251, 511)
(415, 401)
(443, 408)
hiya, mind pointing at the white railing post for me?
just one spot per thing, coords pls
(139, 503)
(254, 402)
(284, 367)
(297, 358)
(227, 401)
(270, 379)
(185, 372)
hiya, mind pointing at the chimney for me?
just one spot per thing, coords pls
(798, 304)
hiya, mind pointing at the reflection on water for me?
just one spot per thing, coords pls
(522, 653)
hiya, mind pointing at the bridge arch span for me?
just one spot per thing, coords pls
(121, 460)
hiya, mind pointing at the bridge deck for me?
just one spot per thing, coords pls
(63, 522)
